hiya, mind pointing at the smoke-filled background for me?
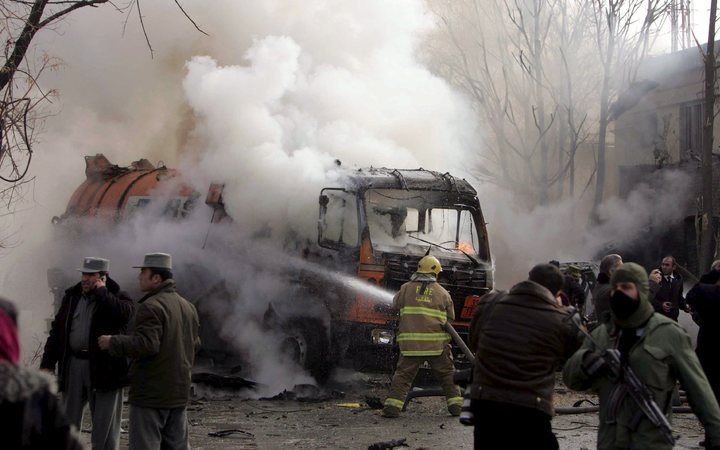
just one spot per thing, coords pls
(267, 103)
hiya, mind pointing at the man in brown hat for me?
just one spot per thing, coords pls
(93, 307)
(162, 347)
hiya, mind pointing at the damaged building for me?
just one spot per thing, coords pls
(663, 132)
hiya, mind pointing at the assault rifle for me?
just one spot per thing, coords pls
(623, 374)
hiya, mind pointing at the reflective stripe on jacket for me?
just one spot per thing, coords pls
(423, 312)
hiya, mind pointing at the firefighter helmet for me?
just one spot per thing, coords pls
(429, 264)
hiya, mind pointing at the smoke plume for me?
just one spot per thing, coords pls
(266, 104)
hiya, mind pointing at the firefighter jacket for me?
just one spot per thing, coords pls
(424, 308)
(660, 357)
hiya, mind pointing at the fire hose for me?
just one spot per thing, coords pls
(460, 343)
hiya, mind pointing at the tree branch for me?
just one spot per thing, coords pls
(23, 43)
(69, 9)
(177, 2)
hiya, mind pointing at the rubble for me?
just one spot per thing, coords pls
(306, 393)
(225, 433)
(389, 444)
(224, 381)
(323, 425)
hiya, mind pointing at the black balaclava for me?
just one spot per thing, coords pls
(633, 273)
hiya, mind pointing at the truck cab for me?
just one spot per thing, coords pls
(378, 226)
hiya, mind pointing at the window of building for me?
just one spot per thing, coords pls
(691, 129)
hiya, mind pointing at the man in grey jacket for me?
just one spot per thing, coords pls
(162, 348)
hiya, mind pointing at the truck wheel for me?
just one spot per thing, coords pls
(306, 343)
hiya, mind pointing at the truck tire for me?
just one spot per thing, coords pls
(306, 343)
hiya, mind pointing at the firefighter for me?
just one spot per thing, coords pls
(424, 308)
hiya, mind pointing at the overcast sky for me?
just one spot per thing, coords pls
(700, 15)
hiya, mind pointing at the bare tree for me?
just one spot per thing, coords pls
(706, 250)
(21, 95)
(624, 31)
(527, 67)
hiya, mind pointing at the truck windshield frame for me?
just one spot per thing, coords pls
(338, 222)
(394, 215)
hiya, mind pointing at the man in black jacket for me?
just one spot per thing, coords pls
(704, 299)
(668, 297)
(93, 307)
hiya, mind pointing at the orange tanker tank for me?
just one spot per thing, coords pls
(114, 193)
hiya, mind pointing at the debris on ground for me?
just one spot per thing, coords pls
(373, 402)
(225, 433)
(231, 382)
(388, 444)
(306, 393)
(584, 400)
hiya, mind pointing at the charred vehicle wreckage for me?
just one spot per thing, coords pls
(373, 229)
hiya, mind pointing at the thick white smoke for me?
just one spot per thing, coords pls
(561, 231)
(266, 104)
(273, 128)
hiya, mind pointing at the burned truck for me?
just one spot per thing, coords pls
(373, 228)
(378, 229)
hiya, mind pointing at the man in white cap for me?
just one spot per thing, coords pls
(93, 307)
(162, 348)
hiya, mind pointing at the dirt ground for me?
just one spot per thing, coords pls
(347, 423)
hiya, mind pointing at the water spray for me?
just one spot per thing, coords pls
(370, 291)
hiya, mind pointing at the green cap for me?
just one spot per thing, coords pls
(92, 264)
(156, 261)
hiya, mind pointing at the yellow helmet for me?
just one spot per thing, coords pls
(429, 264)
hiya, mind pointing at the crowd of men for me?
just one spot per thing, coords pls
(96, 331)
(101, 341)
(521, 337)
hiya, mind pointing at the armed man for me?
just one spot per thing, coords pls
(424, 307)
(657, 352)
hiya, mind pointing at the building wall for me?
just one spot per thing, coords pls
(654, 127)
(664, 130)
